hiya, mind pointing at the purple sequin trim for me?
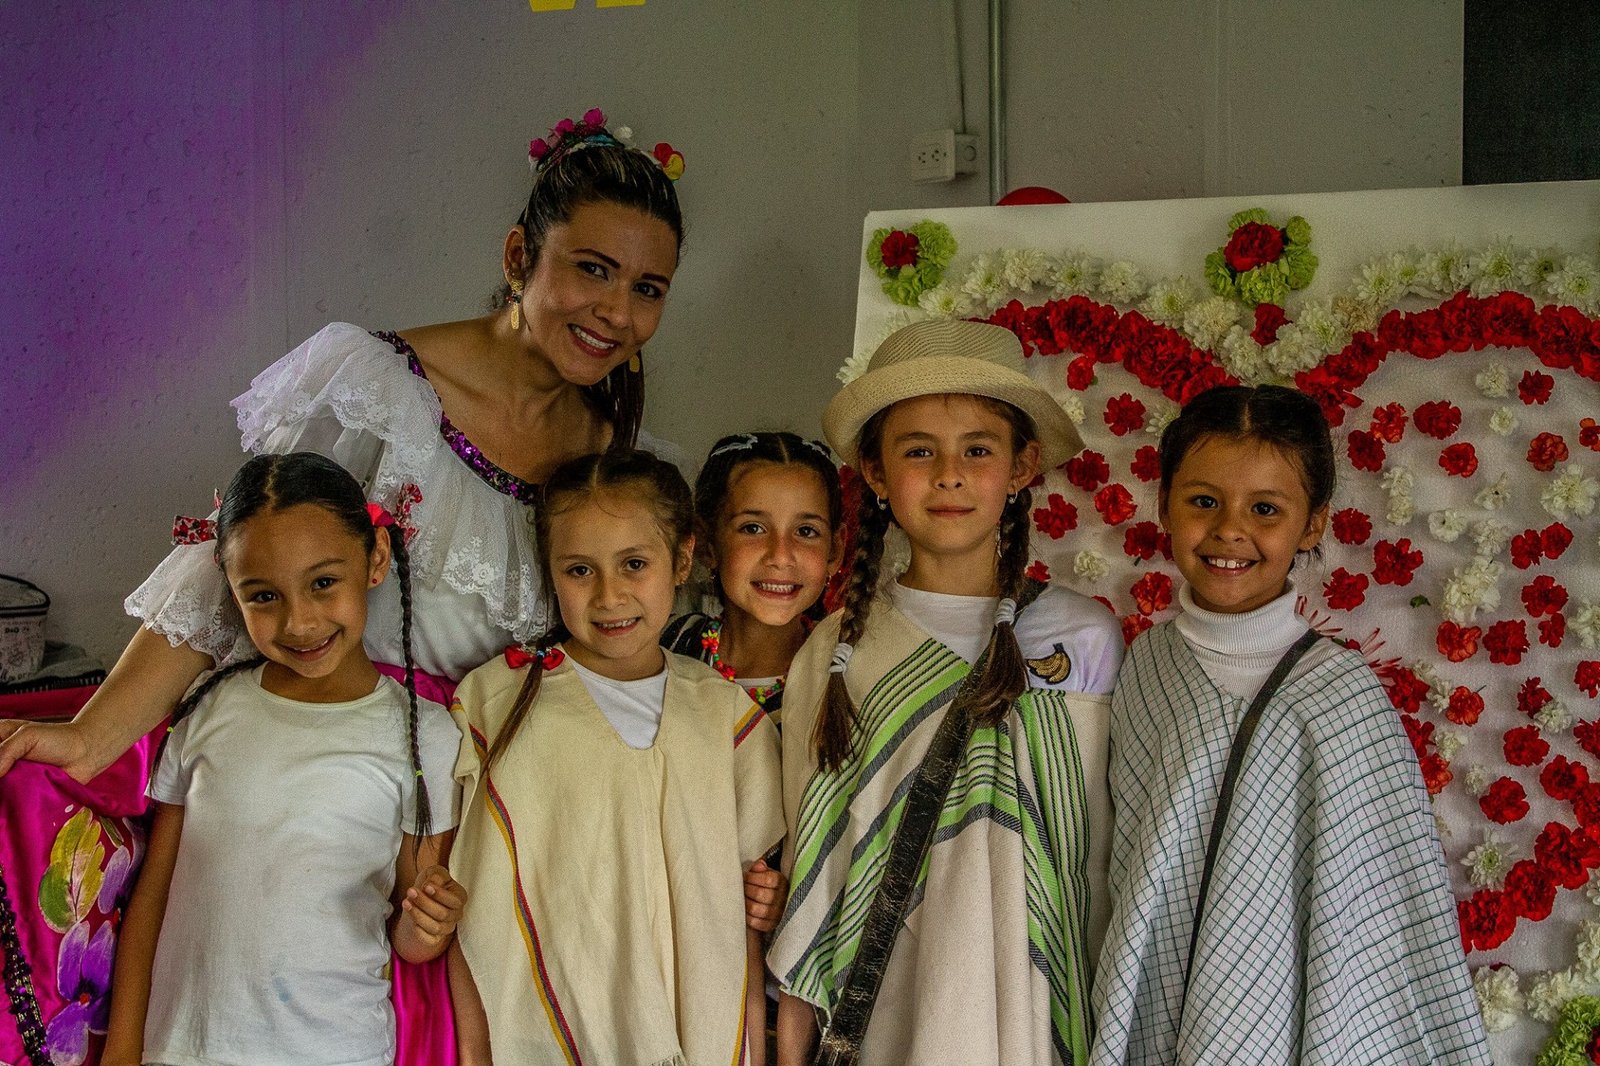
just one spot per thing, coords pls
(502, 481)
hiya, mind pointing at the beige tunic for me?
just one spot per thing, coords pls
(606, 919)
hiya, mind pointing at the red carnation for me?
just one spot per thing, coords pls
(1554, 539)
(1506, 641)
(1124, 414)
(1080, 373)
(1504, 802)
(1366, 451)
(1587, 678)
(1530, 890)
(1566, 856)
(1586, 805)
(1345, 590)
(1457, 643)
(1525, 747)
(1115, 504)
(1394, 562)
(1146, 464)
(1351, 526)
(1438, 419)
(1532, 696)
(1087, 470)
(1553, 630)
(1535, 387)
(1251, 245)
(1459, 460)
(1589, 434)
(1546, 451)
(1143, 540)
(1038, 571)
(1543, 596)
(1562, 778)
(1269, 319)
(1389, 422)
(1133, 625)
(1587, 734)
(1057, 518)
(1405, 689)
(1465, 706)
(1526, 548)
(1487, 920)
(1152, 593)
(899, 249)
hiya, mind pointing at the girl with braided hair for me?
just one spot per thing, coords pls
(985, 957)
(304, 804)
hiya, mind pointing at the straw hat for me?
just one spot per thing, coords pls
(949, 355)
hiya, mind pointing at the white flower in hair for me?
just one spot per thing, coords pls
(1159, 415)
(1169, 299)
(1447, 525)
(1495, 496)
(1122, 283)
(1209, 321)
(1025, 268)
(1584, 623)
(1489, 862)
(1503, 421)
(1499, 996)
(1571, 493)
(854, 367)
(1090, 565)
(1494, 381)
(1554, 717)
(624, 134)
(1076, 274)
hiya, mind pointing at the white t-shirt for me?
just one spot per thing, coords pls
(632, 707)
(1059, 621)
(274, 948)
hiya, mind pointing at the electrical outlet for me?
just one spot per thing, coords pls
(942, 154)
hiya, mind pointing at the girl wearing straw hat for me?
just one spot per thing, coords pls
(945, 737)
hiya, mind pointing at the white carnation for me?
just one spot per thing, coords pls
(1503, 421)
(1209, 321)
(1571, 493)
(1491, 537)
(1438, 694)
(1447, 525)
(1401, 510)
(1318, 321)
(1073, 405)
(1025, 268)
(1076, 274)
(1587, 942)
(1554, 717)
(1449, 742)
(1585, 624)
(1593, 891)
(1499, 996)
(1090, 565)
(854, 367)
(1494, 381)
(1242, 357)
(1397, 481)
(1294, 350)
(1477, 780)
(1495, 495)
(1356, 315)
(1168, 300)
(1470, 589)
(1122, 283)
(1549, 992)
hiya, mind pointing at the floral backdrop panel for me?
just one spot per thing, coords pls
(1452, 336)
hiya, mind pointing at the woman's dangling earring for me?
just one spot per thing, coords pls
(635, 364)
(516, 307)
(883, 503)
(1011, 499)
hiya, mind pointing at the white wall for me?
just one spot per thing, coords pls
(190, 190)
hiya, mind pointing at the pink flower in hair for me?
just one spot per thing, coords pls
(594, 117)
(562, 128)
(538, 149)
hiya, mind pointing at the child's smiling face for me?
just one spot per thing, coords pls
(1238, 513)
(614, 575)
(774, 547)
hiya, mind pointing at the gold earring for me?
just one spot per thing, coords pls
(516, 307)
(635, 364)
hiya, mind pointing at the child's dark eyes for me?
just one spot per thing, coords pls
(977, 451)
(262, 597)
(323, 583)
(578, 570)
(635, 565)
(808, 532)
(1265, 510)
(753, 529)
(1203, 502)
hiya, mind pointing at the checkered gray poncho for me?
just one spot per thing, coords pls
(1329, 936)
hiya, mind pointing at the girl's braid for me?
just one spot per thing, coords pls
(526, 694)
(198, 693)
(831, 738)
(423, 816)
(1004, 677)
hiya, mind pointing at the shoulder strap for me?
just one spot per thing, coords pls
(1230, 778)
(841, 1044)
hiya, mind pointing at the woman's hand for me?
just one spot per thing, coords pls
(765, 892)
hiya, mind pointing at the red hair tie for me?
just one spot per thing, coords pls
(380, 515)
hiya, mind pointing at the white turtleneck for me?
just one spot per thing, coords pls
(1238, 651)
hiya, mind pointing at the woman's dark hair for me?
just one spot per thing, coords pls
(780, 449)
(1003, 678)
(646, 477)
(602, 173)
(1287, 419)
(274, 482)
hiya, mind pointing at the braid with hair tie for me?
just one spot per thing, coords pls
(423, 816)
(831, 738)
(526, 694)
(1004, 677)
(198, 693)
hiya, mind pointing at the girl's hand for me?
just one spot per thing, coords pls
(765, 892)
(56, 743)
(432, 907)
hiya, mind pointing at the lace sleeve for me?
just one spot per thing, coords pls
(186, 600)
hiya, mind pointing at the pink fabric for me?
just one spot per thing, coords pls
(68, 910)
(425, 1025)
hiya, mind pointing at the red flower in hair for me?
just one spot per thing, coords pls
(1459, 460)
(1535, 387)
(1351, 526)
(1038, 571)
(1553, 630)
(1525, 549)
(1587, 678)
(1465, 706)
(1251, 245)
(1525, 747)
(899, 249)
(1080, 373)
(1532, 696)
(1344, 590)
(1504, 802)
(1554, 539)
(1366, 451)
(1143, 540)
(1124, 414)
(1087, 470)
(1562, 778)
(1152, 593)
(1546, 451)
(1146, 464)
(1115, 504)
(1133, 625)
(1543, 596)
(1457, 643)
(1394, 562)
(1389, 422)
(1506, 641)
(1269, 319)
(1439, 419)
(1057, 518)
(1589, 434)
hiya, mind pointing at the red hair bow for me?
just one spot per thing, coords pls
(518, 656)
(186, 530)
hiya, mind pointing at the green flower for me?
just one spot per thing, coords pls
(936, 246)
(1265, 282)
(1569, 1044)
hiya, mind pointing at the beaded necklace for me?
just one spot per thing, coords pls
(19, 982)
(711, 641)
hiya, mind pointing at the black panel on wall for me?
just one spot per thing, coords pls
(1531, 91)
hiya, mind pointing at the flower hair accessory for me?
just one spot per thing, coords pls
(380, 515)
(590, 131)
(186, 530)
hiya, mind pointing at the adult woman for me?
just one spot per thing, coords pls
(451, 426)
